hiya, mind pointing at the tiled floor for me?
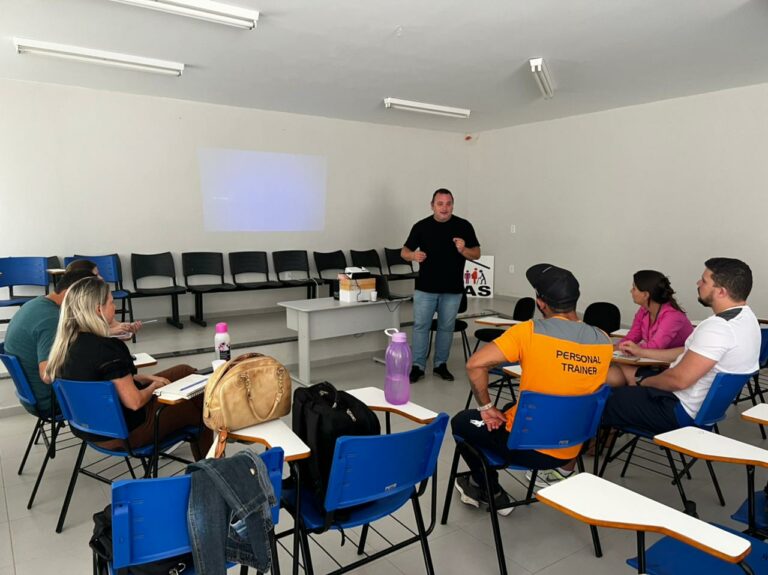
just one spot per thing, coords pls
(537, 539)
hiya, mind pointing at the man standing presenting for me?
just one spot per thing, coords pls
(728, 341)
(440, 243)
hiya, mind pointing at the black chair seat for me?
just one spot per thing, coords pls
(294, 283)
(210, 288)
(459, 325)
(258, 285)
(488, 334)
(170, 290)
(410, 276)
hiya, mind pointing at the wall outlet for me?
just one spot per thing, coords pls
(512, 269)
(512, 229)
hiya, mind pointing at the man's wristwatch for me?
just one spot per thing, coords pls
(485, 407)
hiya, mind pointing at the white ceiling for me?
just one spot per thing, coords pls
(340, 58)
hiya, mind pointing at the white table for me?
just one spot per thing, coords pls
(275, 433)
(757, 414)
(374, 398)
(143, 360)
(324, 318)
(709, 446)
(515, 371)
(496, 321)
(599, 502)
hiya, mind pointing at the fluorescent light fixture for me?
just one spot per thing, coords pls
(543, 79)
(202, 10)
(90, 56)
(426, 108)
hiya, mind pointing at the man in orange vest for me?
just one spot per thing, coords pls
(559, 355)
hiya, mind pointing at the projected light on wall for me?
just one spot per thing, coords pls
(249, 191)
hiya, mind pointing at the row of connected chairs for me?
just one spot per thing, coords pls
(203, 273)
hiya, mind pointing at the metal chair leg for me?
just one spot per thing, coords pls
(449, 490)
(422, 535)
(32, 439)
(596, 541)
(71, 488)
(363, 538)
(40, 473)
(629, 456)
(495, 521)
(715, 483)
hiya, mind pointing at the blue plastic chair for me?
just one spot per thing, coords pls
(93, 407)
(670, 556)
(26, 271)
(371, 477)
(149, 517)
(111, 271)
(756, 391)
(542, 421)
(29, 401)
(725, 388)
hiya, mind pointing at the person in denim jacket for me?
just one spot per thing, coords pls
(229, 515)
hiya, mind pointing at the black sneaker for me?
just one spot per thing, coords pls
(442, 371)
(471, 494)
(416, 374)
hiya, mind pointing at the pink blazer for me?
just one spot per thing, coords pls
(671, 329)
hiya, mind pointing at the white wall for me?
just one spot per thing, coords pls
(86, 171)
(661, 186)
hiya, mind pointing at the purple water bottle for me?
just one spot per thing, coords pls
(397, 385)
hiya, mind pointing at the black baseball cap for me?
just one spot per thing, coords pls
(556, 286)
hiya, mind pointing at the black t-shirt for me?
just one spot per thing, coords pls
(96, 358)
(442, 271)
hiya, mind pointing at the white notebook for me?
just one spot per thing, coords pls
(184, 388)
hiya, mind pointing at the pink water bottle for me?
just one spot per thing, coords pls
(397, 385)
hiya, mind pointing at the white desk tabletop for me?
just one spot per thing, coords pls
(514, 371)
(496, 321)
(275, 433)
(712, 446)
(373, 397)
(325, 303)
(599, 502)
(757, 414)
(143, 360)
(619, 357)
(619, 332)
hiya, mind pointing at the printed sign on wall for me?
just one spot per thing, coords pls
(478, 277)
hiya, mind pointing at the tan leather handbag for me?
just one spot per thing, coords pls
(250, 389)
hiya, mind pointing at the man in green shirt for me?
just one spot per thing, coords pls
(31, 333)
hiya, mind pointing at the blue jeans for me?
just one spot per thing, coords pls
(425, 305)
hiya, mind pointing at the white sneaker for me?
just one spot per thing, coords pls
(471, 494)
(545, 478)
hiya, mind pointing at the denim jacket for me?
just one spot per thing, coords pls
(229, 515)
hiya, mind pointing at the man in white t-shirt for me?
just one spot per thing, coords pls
(726, 342)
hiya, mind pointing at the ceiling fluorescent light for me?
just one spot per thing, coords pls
(543, 79)
(202, 10)
(426, 108)
(115, 59)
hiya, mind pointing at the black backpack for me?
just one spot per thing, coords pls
(101, 543)
(322, 414)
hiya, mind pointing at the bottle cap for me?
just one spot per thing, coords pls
(400, 337)
(221, 327)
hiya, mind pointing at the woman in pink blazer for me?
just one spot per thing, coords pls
(660, 323)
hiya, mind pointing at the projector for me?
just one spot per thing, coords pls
(357, 273)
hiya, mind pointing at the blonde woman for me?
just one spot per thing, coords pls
(83, 351)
